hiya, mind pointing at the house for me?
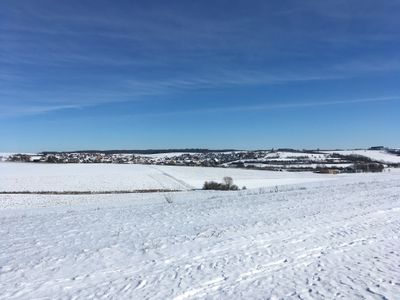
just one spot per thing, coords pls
(327, 171)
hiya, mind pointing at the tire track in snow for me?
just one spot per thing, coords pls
(181, 182)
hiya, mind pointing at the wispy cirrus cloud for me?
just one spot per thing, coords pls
(225, 79)
(368, 65)
(120, 91)
(82, 56)
(173, 35)
(7, 111)
(270, 106)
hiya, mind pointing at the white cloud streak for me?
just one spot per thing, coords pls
(266, 107)
(7, 111)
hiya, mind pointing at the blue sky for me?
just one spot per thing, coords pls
(210, 74)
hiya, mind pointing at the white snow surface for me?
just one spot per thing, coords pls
(284, 155)
(378, 155)
(6, 154)
(165, 155)
(321, 240)
(111, 177)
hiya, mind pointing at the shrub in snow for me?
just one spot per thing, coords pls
(226, 186)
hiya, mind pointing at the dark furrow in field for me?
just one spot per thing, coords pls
(86, 192)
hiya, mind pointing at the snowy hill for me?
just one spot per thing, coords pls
(375, 155)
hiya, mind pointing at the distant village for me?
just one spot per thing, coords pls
(209, 159)
(273, 160)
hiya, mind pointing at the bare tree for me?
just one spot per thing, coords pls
(228, 181)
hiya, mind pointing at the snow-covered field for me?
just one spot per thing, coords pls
(283, 155)
(163, 155)
(376, 155)
(327, 239)
(106, 177)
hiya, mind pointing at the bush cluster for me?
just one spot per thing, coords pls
(227, 185)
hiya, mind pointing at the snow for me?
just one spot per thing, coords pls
(112, 177)
(284, 155)
(377, 155)
(328, 239)
(166, 155)
(327, 165)
(5, 155)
